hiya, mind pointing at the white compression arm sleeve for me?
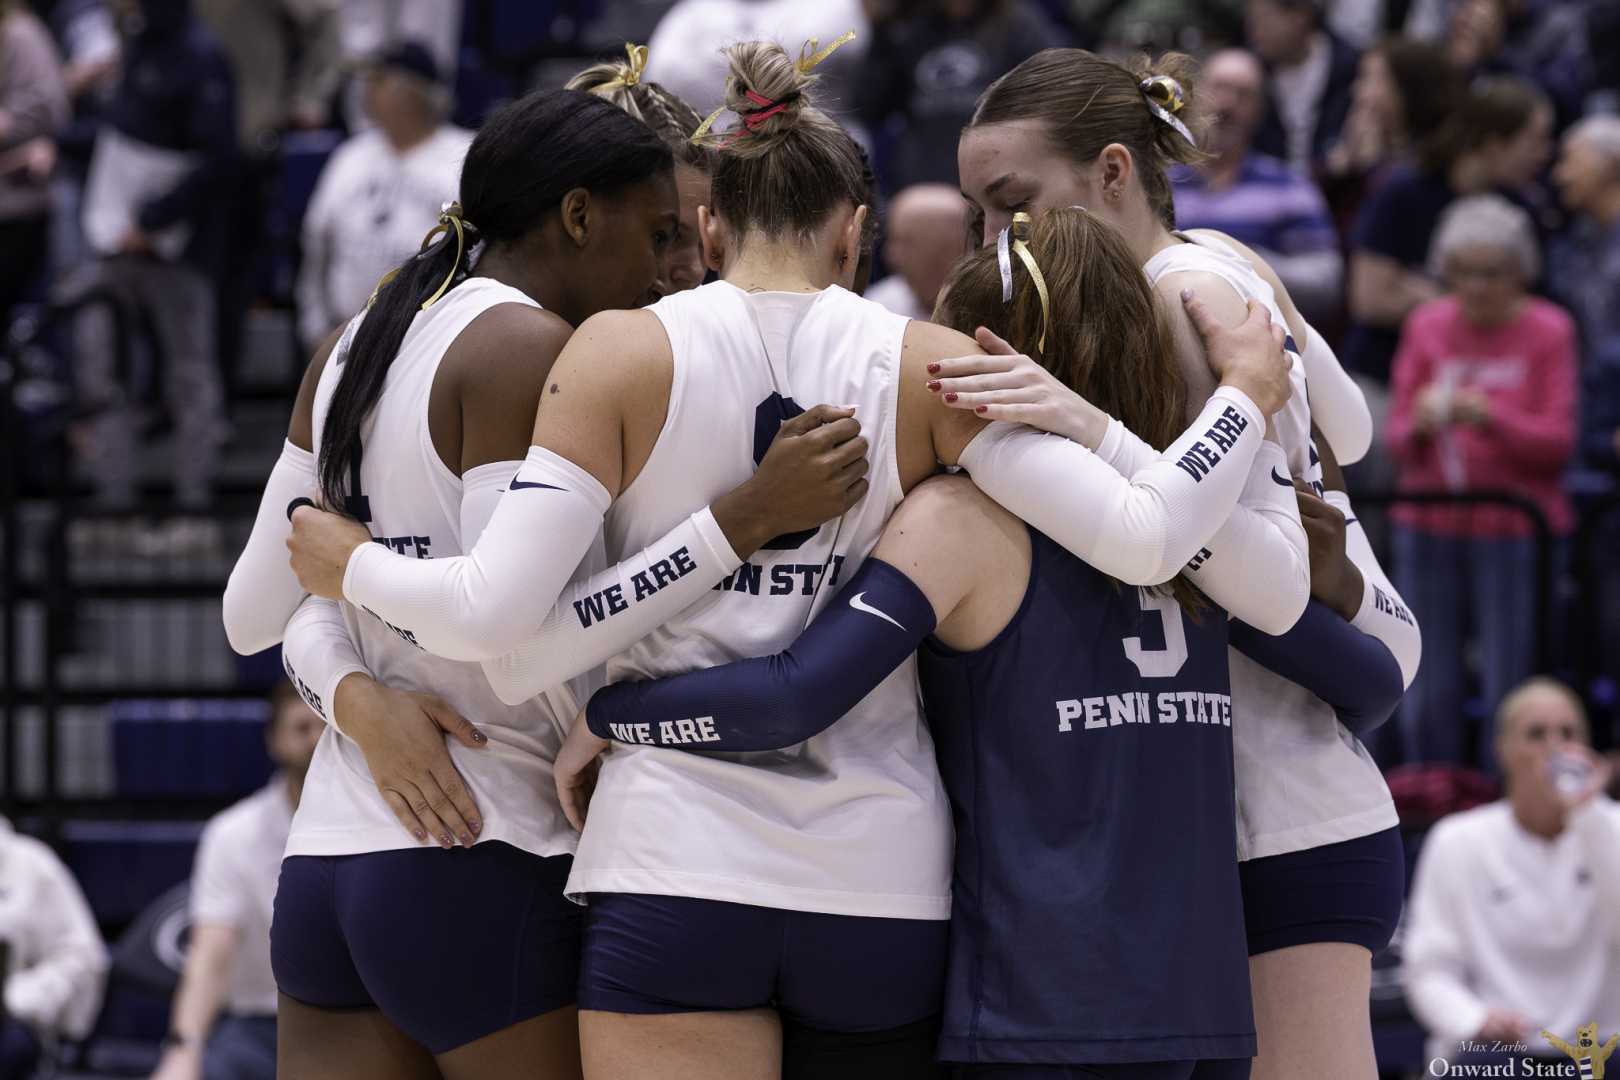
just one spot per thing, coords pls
(600, 616)
(1257, 565)
(262, 591)
(1337, 404)
(1143, 529)
(1383, 614)
(318, 654)
(483, 604)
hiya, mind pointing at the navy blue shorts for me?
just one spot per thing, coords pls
(838, 973)
(451, 945)
(1351, 891)
(1217, 1069)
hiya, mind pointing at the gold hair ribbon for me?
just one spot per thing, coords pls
(708, 122)
(1014, 239)
(449, 218)
(809, 56)
(1166, 99)
(638, 64)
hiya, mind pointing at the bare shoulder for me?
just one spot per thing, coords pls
(1215, 291)
(946, 528)
(613, 346)
(301, 428)
(509, 348)
(926, 342)
(1296, 321)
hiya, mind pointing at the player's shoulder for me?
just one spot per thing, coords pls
(925, 342)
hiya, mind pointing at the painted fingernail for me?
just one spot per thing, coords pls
(950, 397)
(1186, 294)
(933, 369)
(479, 736)
(466, 840)
(933, 384)
(447, 840)
(420, 836)
(980, 408)
(475, 826)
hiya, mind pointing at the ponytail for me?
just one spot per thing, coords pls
(415, 285)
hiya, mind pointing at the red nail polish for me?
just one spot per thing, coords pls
(933, 384)
(933, 369)
(980, 408)
(950, 397)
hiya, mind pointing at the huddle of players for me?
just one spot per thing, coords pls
(716, 523)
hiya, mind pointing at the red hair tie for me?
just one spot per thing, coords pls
(767, 108)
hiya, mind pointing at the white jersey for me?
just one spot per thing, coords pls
(1303, 780)
(412, 502)
(855, 820)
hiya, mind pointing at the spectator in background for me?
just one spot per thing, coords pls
(223, 1024)
(1310, 74)
(154, 211)
(87, 34)
(1154, 26)
(926, 232)
(1258, 200)
(1405, 91)
(381, 191)
(369, 28)
(1484, 400)
(1540, 40)
(1584, 270)
(685, 57)
(33, 106)
(1513, 924)
(936, 61)
(1497, 140)
(55, 964)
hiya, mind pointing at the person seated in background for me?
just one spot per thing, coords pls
(54, 962)
(1256, 199)
(223, 1023)
(1310, 72)
(381, 191)
(1584, 265)
(926, 232)
(1484, 399)
(1514, 917)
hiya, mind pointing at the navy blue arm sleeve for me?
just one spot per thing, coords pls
(770, 702)
(1351, 671)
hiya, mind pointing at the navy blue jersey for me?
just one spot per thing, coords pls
(1087, 751)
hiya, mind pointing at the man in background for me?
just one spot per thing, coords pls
(926, 232)
(223, 1025)
(1514, 917)
(1309, 75)
(1256, 199)
(381, 191)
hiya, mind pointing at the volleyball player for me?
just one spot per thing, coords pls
(1055, 697)
(621, 82)
(1324, 874)
(810, 863)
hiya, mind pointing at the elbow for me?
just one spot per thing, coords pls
(248, 631)
(1286, 604)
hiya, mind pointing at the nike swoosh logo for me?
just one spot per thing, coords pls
(1351, 521)
(855, 602)
(519, 485)
(1283, 480)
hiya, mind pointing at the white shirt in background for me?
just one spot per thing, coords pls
(370, 211)
(1502, 919)
(893, 293)
(234, 884)
(58, 964)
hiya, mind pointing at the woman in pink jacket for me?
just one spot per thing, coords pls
(1484, 400)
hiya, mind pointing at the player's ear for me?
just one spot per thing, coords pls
(712, 237)
(576, 216)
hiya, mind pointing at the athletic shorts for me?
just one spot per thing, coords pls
(451, 945)
(1351, 891)
(1215, 1069)
(831, 973)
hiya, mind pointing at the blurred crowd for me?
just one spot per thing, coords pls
(1437, 182)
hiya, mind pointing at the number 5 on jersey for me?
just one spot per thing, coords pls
(1166, 662)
